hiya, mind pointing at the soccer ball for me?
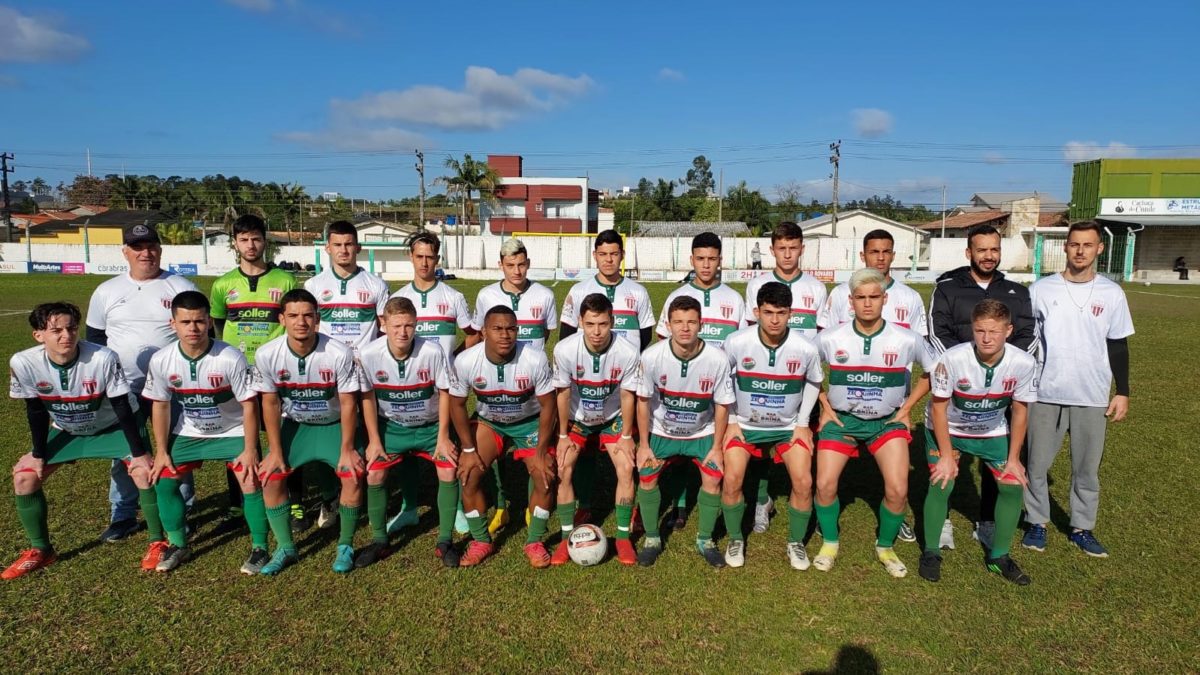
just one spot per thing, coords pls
(1147, 283)
(587, 545)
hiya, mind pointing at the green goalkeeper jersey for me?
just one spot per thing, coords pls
(249, 305)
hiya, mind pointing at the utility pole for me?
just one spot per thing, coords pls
(835, 157)
(421, 173)
(5, 169)
(721, 197)
(89, 163)
(943, 212)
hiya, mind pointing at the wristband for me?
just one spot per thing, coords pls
(468, 450)
(563, 437)
(626, 438)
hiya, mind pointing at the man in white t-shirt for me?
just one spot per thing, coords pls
(905, 308)
(1083, 323)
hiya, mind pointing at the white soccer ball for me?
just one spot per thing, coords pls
(1147, 283)
(587, 545)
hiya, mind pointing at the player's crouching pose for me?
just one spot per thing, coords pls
(596, 373)
(777, 379)
(407, 415)
(869, 361)
(309, 385)
(515, 408)
(205, 386)
(974, 385)
(81, 387)
(683, 401)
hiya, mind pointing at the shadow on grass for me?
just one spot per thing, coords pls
(850, 659)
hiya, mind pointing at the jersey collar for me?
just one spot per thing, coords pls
(344, 279)
(774, 273)
(611, 338)
(316, 345)
(64, 370)
(990, 371)
(671, 348)
(854, 326)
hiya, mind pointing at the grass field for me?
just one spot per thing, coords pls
(1134, 612)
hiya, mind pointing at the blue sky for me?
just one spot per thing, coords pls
(334, 95)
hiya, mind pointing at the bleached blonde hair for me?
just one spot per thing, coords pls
(512, 246)
(867, 275)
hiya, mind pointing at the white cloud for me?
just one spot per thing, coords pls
(872, 122)
(29, 39)
(358, 139)
(1082, 151)
(671, 74)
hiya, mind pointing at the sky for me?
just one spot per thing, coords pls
(336, 95)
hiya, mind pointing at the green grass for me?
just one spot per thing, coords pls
(1134, 612)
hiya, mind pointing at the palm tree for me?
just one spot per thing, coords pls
(177, 233)
(467, 177)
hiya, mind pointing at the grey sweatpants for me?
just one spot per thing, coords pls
(1048, 423)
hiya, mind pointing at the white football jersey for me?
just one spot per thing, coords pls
(441, 311)
(632, 310)
(76, 394)
(595, 379)
(537, 313)
(769, 382)
(1074, 322)
(868, 375)
(980, 396)
(504, 392)
(722, 311)
(682, 393)
(136, 317)
(308, 386)
(408, 391)
(808, 297)
(206, 394)
(350, 307)
(904, 307)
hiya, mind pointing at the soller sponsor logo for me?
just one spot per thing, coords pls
(841, 356)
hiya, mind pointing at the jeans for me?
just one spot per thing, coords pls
(123, 494)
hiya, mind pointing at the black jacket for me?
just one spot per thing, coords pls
(955, 298)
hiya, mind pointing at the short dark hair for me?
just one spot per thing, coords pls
(991, 309)
(426, 238)
(706, 240)
(683, 303)
(39, 318)
(775, 294)
(190, 300)
(608, 237)
(596, 303)
(249, 223)
(341, 227)
(499, 310)
(399, 305)
(787, 230)
(1085, 226)
(982, 230)
(298, 295)
(878, 234)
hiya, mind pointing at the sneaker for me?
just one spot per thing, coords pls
(232, 521)
(762, 516)
(797, 556)
(626, 555)
(405, 519)
(300, 521)
(327, 516)
(826, 556)
(985, 532)
(461, 526)
(891, 561)
(1035, 538)
(906, 533)
(708, 550)
(1087, 542)
(31, 560)
(279, 560)
(499, 520)
(676, 519)
(1005, 567)
(343, 561)
(735, 553)
(446, 552)
(173, 557)
(582, 516)
(154, 553)
(537, 555)
(947, 538)
(477, 552)
(651, 549)
(562, 554)
(254, 564)
(371, 554)
(119, 530)
(930, 568)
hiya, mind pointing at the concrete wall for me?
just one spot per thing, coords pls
(1158, 246)
(949, 253)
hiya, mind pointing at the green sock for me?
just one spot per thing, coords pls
(377, 496)
(733, 518)
(171, 509)
(478, 528)
(889, 526)
(710, 510)
(566, 517)
(254, 510)
(797, 523)
(624, 514)
(348, 523)
(410, 485)
(281, 525)
(584, 479)
(649, 502)
(937, 504)
(447, 505)
(827, 518)
(148, 500)
(498, 480)
(537, 524)
(31, 510)
(1008, 513)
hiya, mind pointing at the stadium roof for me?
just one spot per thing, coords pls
(683, 228)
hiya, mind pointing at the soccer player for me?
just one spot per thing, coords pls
(974, 386)
(515, 409)
(777, 378)
(808, 296)
(309, 386)
(869, 361)
(81, 387)
(131, 315)
(351, 298)
(1083, 328)
(407, 415)
(683, 400)
(203, 409)
(596, 373)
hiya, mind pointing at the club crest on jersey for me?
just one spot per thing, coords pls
(1097, 309)
(535, 312)
(615, 373)
(726, 311)
(89, 386)
(381, 376)
(276, 294)
(166, 302)
(579, 370)
(423, 374)
(901, 314)
(44, 387)
(706, 384)
(748, 363)
(808, 301)
(480, 382)
(889, 358)
(963, 384)
(327, 374)
(215, 380)
(283, 375)
(364, 295)
(662, 380)
(175, 380)
(841, 356)
(231, 295)
(1010, 385)
(522, 382)
(326, 295)
(443, 308)
(630, 301)
(794, 365)
(569, 306)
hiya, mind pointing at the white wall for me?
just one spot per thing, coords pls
(947, 254)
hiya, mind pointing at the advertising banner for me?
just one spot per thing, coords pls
(186, 269)
(14, 267)
(73, 268)
(46, 268)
